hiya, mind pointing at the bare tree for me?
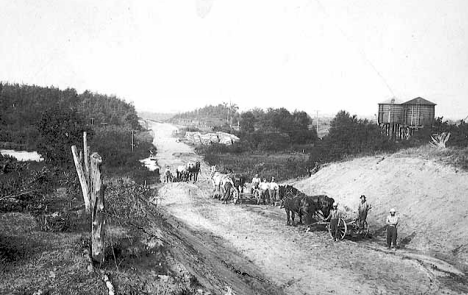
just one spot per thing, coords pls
(439, 140)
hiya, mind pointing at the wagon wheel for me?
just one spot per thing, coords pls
(342, 229)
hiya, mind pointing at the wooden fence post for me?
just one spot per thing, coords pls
(86, 159)
(97, 209)
(82, 177)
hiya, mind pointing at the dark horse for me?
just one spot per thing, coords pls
(291, 199)
(286, 190)
(193, 170)
(310, 205)
(239, 182)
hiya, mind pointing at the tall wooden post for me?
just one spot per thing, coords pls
(97, 209)
(82, 177)
(86, 162)
(86, 155)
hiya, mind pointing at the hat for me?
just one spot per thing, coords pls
(362, 196)
(392, 210)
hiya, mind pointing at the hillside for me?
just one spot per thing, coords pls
(429, 196)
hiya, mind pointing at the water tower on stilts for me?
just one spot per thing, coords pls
(400, 120)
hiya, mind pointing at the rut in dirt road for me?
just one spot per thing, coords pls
(297, 262)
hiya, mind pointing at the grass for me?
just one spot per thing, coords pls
(35, 257)
(45, 250)
(456, 157)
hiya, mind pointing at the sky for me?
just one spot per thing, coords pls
(311, 55)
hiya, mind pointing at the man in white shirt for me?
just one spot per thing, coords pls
(273, 191)
(255, 182)
(392, 224)
(263, 186)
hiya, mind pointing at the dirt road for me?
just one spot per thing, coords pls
(288, 259)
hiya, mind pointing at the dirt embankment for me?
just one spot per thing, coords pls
(258, 250)
(429, 197)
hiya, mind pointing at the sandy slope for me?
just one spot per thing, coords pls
(430, 198)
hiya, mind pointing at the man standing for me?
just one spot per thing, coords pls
(362, 211)
(392, 224)
(264, 186)
(273, 191)
(255, 182)
(167, 174)
(334, 218)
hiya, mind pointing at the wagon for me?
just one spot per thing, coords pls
(350, 228)
(250, 197)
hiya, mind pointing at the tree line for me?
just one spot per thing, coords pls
(50, 120)
(23, 107)
(350, 136)
(274, 129)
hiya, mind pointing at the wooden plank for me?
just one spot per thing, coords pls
(82, 178)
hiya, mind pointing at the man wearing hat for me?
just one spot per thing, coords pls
(392, 223)
(363, 208)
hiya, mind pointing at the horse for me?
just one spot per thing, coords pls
(292, 206)
(216, 180)
(310, 205)
(229, 191)
(193, 170)
(325, 204)
(291, 200)
(239, 182)
(286, 189)
(168, 177)
(182, 173)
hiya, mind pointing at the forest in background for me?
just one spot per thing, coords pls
(50, 120)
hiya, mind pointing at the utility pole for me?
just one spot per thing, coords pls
(317, 119)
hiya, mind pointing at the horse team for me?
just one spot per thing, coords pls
(228, 186)
(296, 202)
(188, 172)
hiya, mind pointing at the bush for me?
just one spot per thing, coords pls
(59, 129)
(114, 146)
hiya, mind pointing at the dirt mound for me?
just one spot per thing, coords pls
(429, 197)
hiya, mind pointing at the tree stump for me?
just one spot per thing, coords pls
(97, 209)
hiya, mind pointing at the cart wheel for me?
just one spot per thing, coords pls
(342, 229)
